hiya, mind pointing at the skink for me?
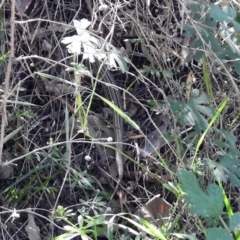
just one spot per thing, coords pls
(117, 120)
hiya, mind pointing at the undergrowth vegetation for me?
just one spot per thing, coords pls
(138, 96)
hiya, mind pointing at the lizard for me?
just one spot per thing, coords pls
(117, 120)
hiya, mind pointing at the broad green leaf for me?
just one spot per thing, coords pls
(227, 168)
(209, 39)
(235, 181)
(198, 46)
(200, 99)
(200, 122)
(230, 11)
(229, 141)
(193, 112)
(220, 143)
(227, 15)
(232, 50)
(228, 161)
(213, 120)
(218, 169)
(182, 112)
(209, 21)
(236, 25)
(218, 233)
(236, 65)
(209, 204)
(188, 31)
(198, 10)
(237, 18)
(217, 13)
(234, 222)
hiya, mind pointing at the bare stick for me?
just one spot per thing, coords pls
(7, 79)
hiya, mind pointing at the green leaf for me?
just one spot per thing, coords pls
(207, 79)
(167, 73)
(188, 31)
(209, 21)
(191, 113)
(198, 10)
(236, 65)
(229, 141)
(210, 39)
(12, 134)
(231, 163)
(18, 102)
(218, 233)
(235, 181)
(120, 112)
(203, 204)
(230, 11)
(234, 222)
(227, 168)
(226, 15)
(237, 18)
(228, 161)
(217, 13)
(158, 73)
(218, 169)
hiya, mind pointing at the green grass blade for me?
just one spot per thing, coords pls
(214, 119)
(12, 134)
(207, 79)
(119, 112)
(148, 228)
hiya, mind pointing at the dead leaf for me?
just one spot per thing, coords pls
(22, 5)
(177, 55)
(154, 141)
(40, 33)
(5, 170)
(54, 27)
(46, 46)
(131, 108)
(187, 53)
(57, 88)
(156, 210)
(133, 135)
(190, 80)
(98, 127)
(32, 229)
